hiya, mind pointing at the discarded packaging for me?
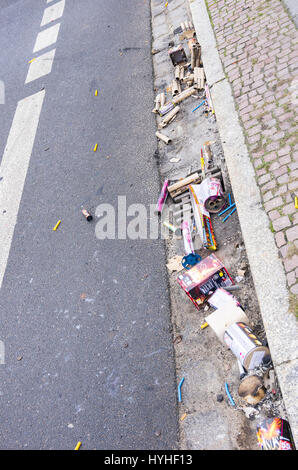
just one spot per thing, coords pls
(223, 317)
(203, 279)
(245, 345)
(211, 194)
(177, 55)
(274, 434)
(202, 218)
(174, 263)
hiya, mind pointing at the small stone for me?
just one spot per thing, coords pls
(219, 398)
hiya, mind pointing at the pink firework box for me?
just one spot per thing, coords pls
(203, 279)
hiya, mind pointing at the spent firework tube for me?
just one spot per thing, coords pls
(274, 434)
(162, 197)
(245, 345)
(87, 215)
(188, 245)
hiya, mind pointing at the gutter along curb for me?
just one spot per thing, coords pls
(265, 265)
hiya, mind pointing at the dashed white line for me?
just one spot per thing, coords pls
(53, 12)
(46, 37)
(41, 66)
(13, 169)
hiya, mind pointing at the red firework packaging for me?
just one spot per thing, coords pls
(203, 279)
(274, 434)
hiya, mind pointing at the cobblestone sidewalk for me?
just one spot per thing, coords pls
(257, 43)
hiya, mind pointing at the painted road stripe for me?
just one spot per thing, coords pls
(41, 66)
(53, 12)
(46, 38)
(13, 169)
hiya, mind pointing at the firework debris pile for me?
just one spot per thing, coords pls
(197, 198)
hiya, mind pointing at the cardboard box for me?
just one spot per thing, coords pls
(203, 279)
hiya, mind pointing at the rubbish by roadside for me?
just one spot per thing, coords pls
(57, 225)
(274, 434)
(162, 197)
(232, 212)
(163, 137)
(183, 417)
(252, 389)
(203, 279)
(87, 215)
(182, 186)
(211, 194)
(242, 371)
(195, 53)
(169, 117)
(232, 288)
(166, 108)
(175, 87)
(222, 298)
(191, 258)
(241, 340)
(179, 389)
(209, 99)
(174, 264)
(229, 395)
(183, 95)
(77, 447)
(197, 195)
(177, 55)
(197, 107)
(223, 317)
(199, 78)
(157, 103)
(187, 30)
(202, 218)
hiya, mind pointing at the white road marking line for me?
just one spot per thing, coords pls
(46, 38)
(53, 12)
(13, 169)
(41, 66)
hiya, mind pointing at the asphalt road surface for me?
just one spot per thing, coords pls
(84, 323)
